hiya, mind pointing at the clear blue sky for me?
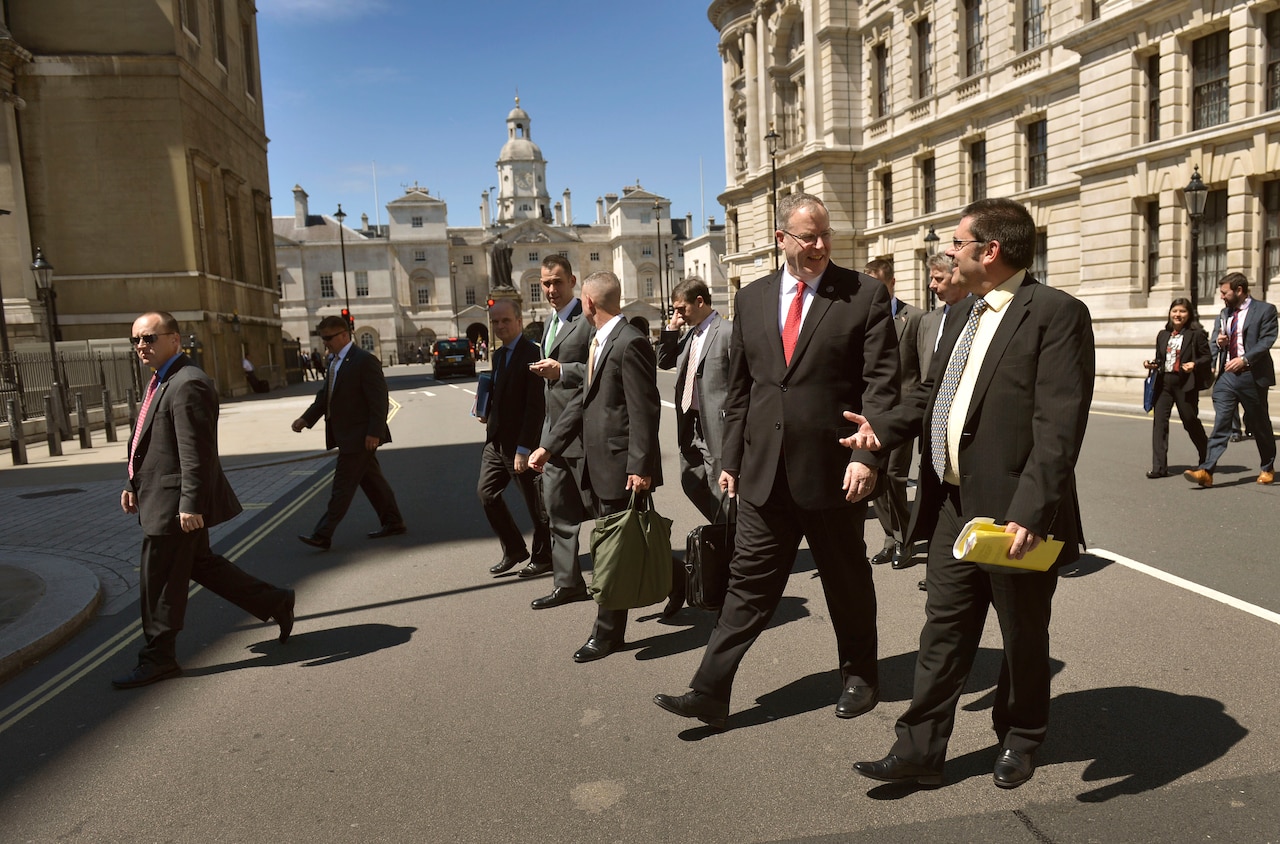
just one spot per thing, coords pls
(615, 92)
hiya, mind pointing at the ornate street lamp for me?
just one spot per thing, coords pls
(1194, 196)
(657, 256)
(930, 249)
(43, 271)
(772, 139)
(342, 246)
(453, 296)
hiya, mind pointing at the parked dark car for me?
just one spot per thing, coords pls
(453, 357)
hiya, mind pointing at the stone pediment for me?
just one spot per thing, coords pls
(536, 231)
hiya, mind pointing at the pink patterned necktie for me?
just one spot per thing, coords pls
(691, 370)
(142, 417)
(791, 328)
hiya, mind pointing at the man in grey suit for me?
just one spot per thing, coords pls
(701, 361)
(1243, 333)
(564, 349)
(891, 506)
(615, 412)
(177, 488)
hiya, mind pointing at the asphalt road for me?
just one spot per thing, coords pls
(420, 699)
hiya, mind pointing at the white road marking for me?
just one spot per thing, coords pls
(421, 393)
(1212, 594)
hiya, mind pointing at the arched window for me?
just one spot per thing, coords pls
(366, 341)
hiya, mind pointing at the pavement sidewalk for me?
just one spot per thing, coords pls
(67, 553)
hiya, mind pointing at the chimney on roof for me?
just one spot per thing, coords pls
(688, 224)
(484, 209)
(364, 222)
(599, 211)
(559, 214)
(568, 209)
(299, 207)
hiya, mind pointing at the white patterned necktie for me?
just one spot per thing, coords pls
(691, 370)
(947, 392)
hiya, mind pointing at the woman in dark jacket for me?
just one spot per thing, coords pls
(1183, 368)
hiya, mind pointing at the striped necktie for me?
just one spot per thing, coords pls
(947, 392)
(142, 417)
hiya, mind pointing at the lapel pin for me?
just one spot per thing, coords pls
(828, 289)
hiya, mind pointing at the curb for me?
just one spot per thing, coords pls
(71, 597)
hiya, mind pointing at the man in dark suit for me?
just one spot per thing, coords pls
(1003, 413)
(513, 427)
(701, 361)
(809, 342)
(891, 507)
(615, 413)
(353, 403)
(1243, 334)
(564, 346)
(177, 488)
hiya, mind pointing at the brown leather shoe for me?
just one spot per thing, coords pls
(1199, 476)
(1266, 476)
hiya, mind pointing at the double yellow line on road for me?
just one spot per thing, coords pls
(59, 683)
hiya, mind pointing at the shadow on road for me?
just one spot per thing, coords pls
(319, 647)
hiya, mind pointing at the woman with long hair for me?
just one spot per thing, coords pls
(1183, 368)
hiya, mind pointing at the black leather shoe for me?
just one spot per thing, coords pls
(692, 704)
(506, 564)
(904, 560)
(887, 554)
(387, 530)
(674, 603)
(893, 769)
(595, 649)
(284, 615)
(315, 541)
(922, 586)
(534, 569)
(1154, 473)
(146, 673)
(1235, 438)
(560, 596)
(1013, 768)
(857, 700)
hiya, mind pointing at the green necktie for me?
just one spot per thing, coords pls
(551, 334)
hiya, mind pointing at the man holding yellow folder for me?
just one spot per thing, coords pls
(1002, 415)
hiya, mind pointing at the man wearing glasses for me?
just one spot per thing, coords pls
(353, 403)
(809, 342)
(177, 488)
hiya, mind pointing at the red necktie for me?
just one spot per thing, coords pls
(791, 328)
(142, 417)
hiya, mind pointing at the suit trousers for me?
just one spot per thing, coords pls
(497, 471)
(699, 469)
(1240, 389)
(891, 507)
(358, 469)
(1173, 391)
(768, 536)
(169, 562)
(959, 593)
(562, 500)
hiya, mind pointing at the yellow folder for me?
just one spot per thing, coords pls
(984, 541)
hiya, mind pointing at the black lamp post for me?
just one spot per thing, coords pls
(670, 264)
(453, 296)
(930, 249)
(43, 272)
(1194, 196)
(4, 328)
(657, 256)
(772, 138)
(342, 247)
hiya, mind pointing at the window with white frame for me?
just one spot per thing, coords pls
(366, 341)
(1037, 153)
(1153, 97)
(1151, 220)
(929, 185)
(424, 295)
(1273, 60)
(415, 222)
(648, 287)
(468, 260)
(535, 292)
(924, 58)
(1210, 92)
(594, 256)
(1212, 263)
(974, 62)
(880, 78)
(886, 196)
(533, 257)
(646, 251)
(977, 170)
(1032, 24)
(469, 296)
(362, 283)
(419, 255)
(326, 286)
(1270, 234)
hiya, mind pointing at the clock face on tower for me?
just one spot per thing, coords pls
(525, 181)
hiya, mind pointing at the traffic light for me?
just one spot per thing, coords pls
(491, 302)
(351, 324)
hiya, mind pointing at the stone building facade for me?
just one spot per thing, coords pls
(417, 278)
(1093, 113)
(133, 152)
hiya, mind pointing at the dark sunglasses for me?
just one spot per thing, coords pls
(328, 337)
(149, 339)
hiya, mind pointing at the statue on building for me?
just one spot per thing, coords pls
(500, 265)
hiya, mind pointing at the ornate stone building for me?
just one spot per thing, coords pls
(1093, 113)
(417, 278)
(133, 152)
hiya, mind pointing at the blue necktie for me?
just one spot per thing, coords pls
(947, 392)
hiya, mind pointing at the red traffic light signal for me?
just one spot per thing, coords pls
(351, 324)
(491, 301)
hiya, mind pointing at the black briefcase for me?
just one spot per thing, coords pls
(708, 550)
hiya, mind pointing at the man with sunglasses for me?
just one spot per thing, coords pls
(809, 342)
(177, 488)
(353, 403)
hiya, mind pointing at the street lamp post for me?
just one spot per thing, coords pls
(930, 249)
(1194, 196)
(772, 139)
(4, 328)
(669, 265)
(657, 256)
(43, 272)
(342, 247)
(453, 296)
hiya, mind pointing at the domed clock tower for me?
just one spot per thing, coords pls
(522, 174)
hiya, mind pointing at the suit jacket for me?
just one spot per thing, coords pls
(920, 335)
(712, 371)
(358, 407)
(1026, 419)
(616, 416)
(1259, 337)
(1195, 347)
(570, 349)
(846, 358)
(517, 405)
(176, 466)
